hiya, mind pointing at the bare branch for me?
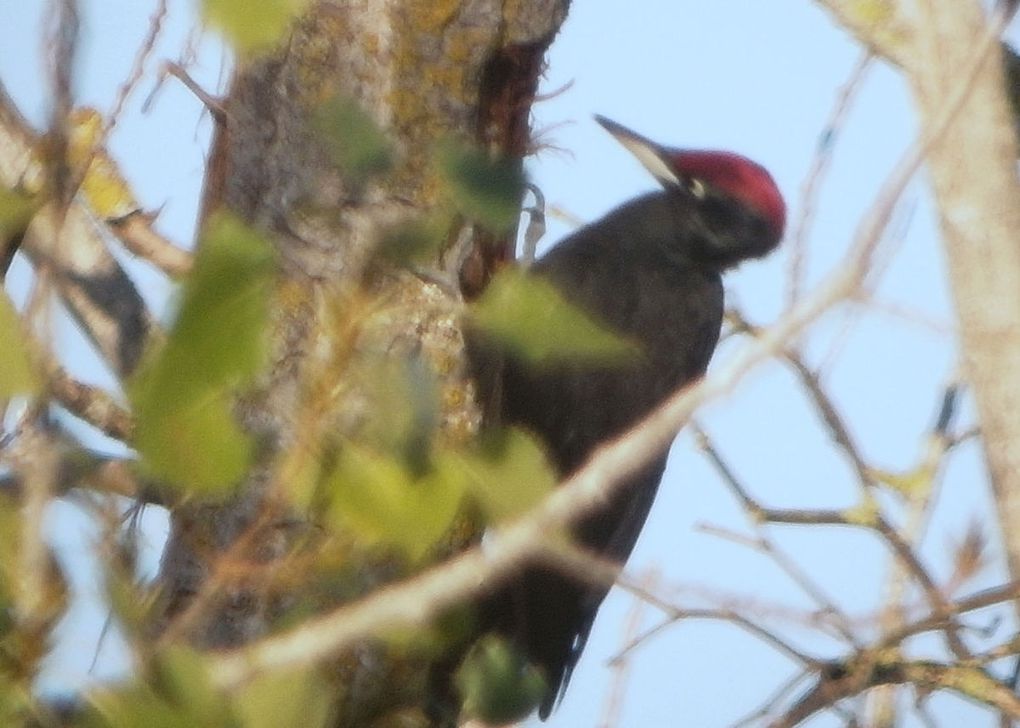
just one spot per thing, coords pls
(91, 404)
(137, 234)
(865, 671)
(833, 419)
(816, 175)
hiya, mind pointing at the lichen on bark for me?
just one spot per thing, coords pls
(423, 72)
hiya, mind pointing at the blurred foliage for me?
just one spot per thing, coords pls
(353, 139)
(404, 415)
(251, 26)
(384, 502)
(508, 473)
(413, 242)
(295, 698)
(385, 487)
(173, 691)
(497, 684)
(532, 318)
(482, 189)
(184, 392)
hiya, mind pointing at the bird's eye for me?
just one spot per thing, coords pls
(697, 188)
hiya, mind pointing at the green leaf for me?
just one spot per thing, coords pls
(483, 189)
(530, 316)
(178, 694)
(180, 675)
(183, 394)
(200, 449)
(382, 503)
(497, 685)
(296, 698)
(224, 310)
(354, 141)
(415, 241)
(404, 412)
(509, 475)
(251, 26)
(17, 377)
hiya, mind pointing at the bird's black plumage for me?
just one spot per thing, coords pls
(651, 271)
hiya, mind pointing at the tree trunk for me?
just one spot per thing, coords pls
(422, 72)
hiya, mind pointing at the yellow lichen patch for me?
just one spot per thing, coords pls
(433, 15)
(437, 58)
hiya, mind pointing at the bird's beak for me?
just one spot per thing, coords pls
(652, 156)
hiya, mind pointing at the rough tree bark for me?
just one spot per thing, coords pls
(423, 71)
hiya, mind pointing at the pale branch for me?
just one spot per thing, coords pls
(729, 616)
(89, 403)
(976, 187)
(587, 567)
(137, 235)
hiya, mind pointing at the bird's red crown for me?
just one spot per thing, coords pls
(737, 176)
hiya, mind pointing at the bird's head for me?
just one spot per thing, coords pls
(704, 173)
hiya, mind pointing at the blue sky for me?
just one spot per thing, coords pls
(757, 78)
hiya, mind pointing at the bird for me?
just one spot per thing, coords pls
(650, 271)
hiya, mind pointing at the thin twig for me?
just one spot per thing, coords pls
(65, 45)
(763, 543)
(816, 175)
(137, 69)
(613, 704)
(838, 429)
